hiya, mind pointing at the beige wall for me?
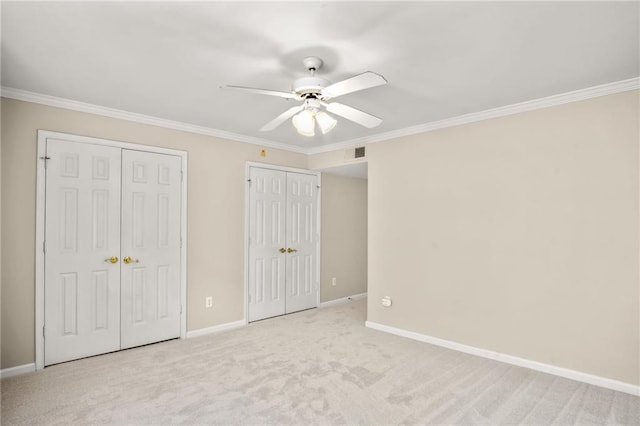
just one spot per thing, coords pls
(344, 237)
(517, 235)
(215, 214)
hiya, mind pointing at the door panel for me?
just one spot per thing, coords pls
(151, 191)
(82, 231)
(267, 195)
(302, 236)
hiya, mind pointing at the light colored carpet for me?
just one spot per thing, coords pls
(315, 367)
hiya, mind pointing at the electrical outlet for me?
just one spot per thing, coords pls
(208, 302)
(333, 282)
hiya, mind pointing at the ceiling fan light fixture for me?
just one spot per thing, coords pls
(325, 122)
(304, 122)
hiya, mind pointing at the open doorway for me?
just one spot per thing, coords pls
(343, 273)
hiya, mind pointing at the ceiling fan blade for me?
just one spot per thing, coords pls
(355, 115)
(281, 118)
(362, 81)
(286, 95)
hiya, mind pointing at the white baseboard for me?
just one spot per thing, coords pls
(343, 300)
(216, 328)
(509, 359)
(15, 371)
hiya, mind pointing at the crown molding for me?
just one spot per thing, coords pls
(352, 143)
(549, 101)
(38, 98)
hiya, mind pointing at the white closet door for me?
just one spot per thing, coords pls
(82, 232)
(302, 236)
(151, 240)
(267, 243)
(283, 236)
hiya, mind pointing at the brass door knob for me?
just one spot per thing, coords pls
(129, 260)
(283, 250)
(290, 250)
(112, 259)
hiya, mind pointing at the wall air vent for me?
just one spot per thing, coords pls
(359, 152)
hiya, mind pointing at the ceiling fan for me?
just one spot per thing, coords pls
(314, 93)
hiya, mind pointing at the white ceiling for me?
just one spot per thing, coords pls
(442, 59)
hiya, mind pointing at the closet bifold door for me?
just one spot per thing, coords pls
(267, 243)
(301, 235)
(112, 256)
(283, 242)
(150, 288)
(82, 235)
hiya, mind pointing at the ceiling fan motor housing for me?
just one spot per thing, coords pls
(310, 85)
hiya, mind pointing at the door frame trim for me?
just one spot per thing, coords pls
(43, 135)
(247, 176)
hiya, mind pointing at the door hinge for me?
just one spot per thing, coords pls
(45, 158)
(180, 241)
(249, 180)
(181, 176)
(181, 309)
(43, 335)
(44, 246)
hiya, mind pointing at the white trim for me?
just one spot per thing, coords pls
(184, 202)
(510, 359)
(40, 257)
(247, 176)
(250, 164)
(559, 99)
(16, 371)
(54, 101)
(43, 135)
(319, 237)
(342, 300)
(217, 328)
(247, 199)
